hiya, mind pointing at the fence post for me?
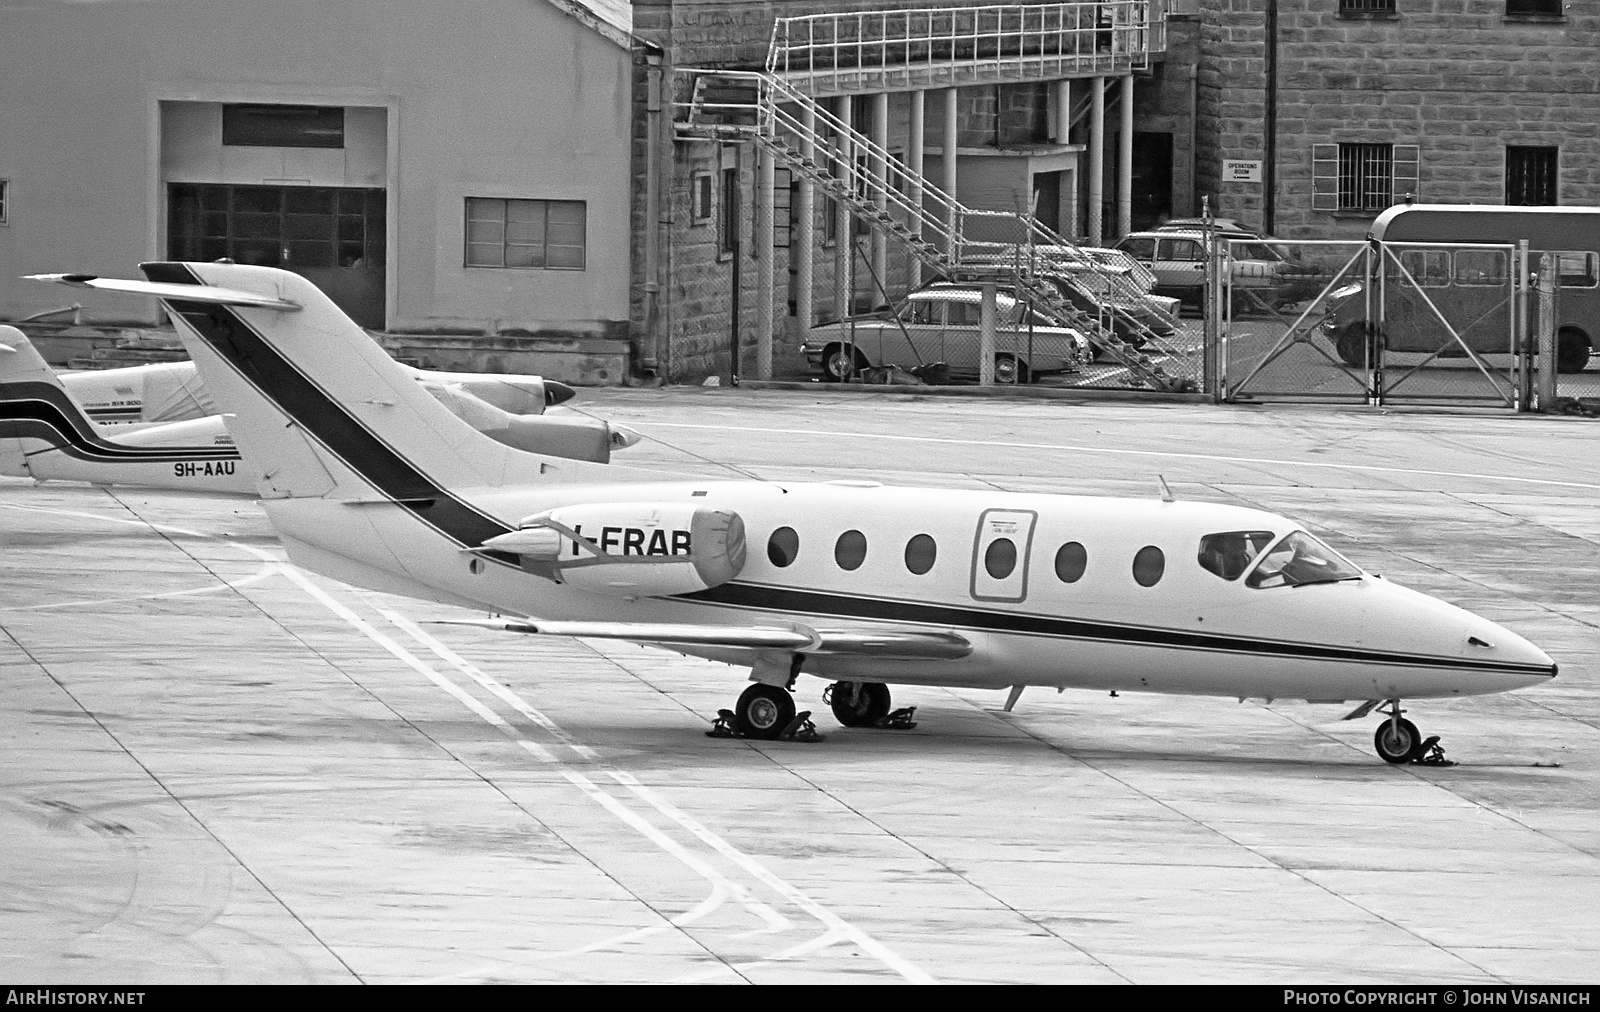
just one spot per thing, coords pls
(1521, 329)
(986, 327)
(1549, 280)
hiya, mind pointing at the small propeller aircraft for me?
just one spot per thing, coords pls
(369, 480)
(49, 429)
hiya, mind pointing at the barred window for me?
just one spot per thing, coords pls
(1531, 175)
(1371, 6)
(1366, 176)
(540, 235)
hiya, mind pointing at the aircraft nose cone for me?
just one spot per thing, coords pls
(556, 392)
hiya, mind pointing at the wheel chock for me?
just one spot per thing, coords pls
(899, 720)
(722, 727)
(801, 729)
(1430, 753)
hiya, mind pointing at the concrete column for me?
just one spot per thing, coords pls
(765, 184)
(1063, 111)
(914, 146)
(1125, 160)
(843, 243)
(880, 169)
(1097, 159)
(951, 129)
(988, 319)
(1070, 191)
(803, 245)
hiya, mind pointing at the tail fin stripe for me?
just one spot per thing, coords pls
(324, 419)
(44, 412)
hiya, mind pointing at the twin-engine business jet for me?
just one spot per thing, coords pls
(369, 480)
(49, 429)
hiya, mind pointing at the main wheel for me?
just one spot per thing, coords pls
(1396, 741)
(1009, 369)
(859, 704)
(840, 363)
(1351, 344)
(1572, 350)
(763, 711)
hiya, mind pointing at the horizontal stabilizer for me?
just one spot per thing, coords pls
(162, 290)
(896, 643)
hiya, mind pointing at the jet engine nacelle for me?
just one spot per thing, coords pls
(630, 549)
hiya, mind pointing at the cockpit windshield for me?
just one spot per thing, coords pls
(1229, 554)
(1300, 559)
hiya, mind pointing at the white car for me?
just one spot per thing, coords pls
(940, 324)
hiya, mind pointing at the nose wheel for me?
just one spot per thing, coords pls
(1398, 741)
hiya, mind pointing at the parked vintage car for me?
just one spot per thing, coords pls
(1261, 277)
(939, 323)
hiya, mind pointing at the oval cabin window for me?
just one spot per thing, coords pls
(1148, 566)
(1070, 562)
(1001, 558)
(921, 551)
(783, 547)
(850, 550)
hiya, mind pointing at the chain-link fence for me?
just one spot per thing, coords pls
(1374, 322)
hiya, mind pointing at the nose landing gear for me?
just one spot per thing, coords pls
(1397, 741)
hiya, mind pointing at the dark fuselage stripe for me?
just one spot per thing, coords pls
(789, 601)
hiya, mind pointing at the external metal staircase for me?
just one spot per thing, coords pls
(958, 242)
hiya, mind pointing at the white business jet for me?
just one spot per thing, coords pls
(369, 480)
(48, 432)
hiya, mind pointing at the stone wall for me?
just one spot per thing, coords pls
(1457, 77)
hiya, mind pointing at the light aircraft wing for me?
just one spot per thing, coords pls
(915, 644)
(187, 293)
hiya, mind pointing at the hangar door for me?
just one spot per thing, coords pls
(331, 235)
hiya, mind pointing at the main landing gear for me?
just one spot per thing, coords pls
(1398, 741)
(766, 709)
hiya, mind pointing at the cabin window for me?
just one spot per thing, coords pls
(921, 551)
(783, 547)
(1481, 267)
(1229, 555)
(1148, 566)
(850, 551)
(1578, 270)
(1300, 559)
(1071, 560)
(1001, 558)
(536, 235)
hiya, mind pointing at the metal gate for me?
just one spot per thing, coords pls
(1371, 322)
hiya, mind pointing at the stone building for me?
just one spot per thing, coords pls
(1350, 106)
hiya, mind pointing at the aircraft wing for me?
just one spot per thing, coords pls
(161, 290)
(915, 644)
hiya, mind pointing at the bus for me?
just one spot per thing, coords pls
(1472, 287)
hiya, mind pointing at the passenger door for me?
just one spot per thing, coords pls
(1000, 555)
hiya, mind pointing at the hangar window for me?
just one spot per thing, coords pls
(1229, 555)
(783, 547)
(921, 551)
(850, 551)
(283, 126)
(1001, 558)
(1300, 559)
(1071, 560)
(1148, 566)
(540, 235)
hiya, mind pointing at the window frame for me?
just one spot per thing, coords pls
(1558, 12)
(1591, 260)
(239, 117)
(5, 201)
(505, 208)
(1519, 174)
(729, 214)
(1367, 8)
(702, 199)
